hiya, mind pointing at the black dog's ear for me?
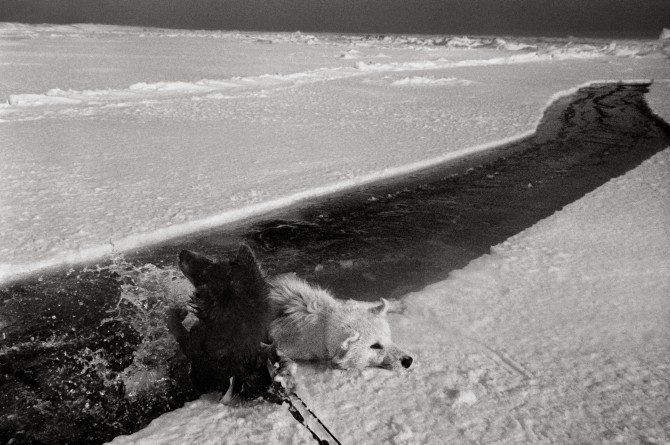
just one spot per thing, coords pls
(248, 272)
(246, 256)
(247, 260)
(194, 266)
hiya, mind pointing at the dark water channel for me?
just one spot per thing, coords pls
(62, 369)
(389, 238)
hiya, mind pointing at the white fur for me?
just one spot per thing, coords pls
(309, 324)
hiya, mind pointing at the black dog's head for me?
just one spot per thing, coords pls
(200, 270)
(237, 288)
(230, 301)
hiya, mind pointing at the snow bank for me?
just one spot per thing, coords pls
(658, 99)
(558, 336)
(52, 97)
(446, 63)
(430, 81)
(144, 91)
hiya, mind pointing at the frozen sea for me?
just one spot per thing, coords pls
(117, 137)
(114, 138)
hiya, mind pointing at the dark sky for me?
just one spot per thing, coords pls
(581, 18)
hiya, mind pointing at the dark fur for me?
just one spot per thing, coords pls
(231, 304)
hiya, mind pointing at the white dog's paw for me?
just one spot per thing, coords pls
(283, 372)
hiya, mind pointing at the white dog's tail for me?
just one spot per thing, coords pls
(291, 295)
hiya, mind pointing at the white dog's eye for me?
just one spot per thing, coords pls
(376, 346)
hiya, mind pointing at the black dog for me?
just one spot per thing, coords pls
(229, 347)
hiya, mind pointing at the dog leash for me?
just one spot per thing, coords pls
(292, 399)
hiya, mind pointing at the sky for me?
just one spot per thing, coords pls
(561, 18)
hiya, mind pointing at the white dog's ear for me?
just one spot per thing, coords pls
(344, 346)
(340, 358)
(382, 308)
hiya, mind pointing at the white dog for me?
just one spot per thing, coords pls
(309, 324)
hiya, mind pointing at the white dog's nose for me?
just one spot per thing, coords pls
(406, 361)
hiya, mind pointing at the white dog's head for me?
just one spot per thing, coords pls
(364, 341)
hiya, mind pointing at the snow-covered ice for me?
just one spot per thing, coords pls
(115, 137)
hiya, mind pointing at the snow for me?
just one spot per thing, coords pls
(119, 137)
(657, 99)
(116, 137)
